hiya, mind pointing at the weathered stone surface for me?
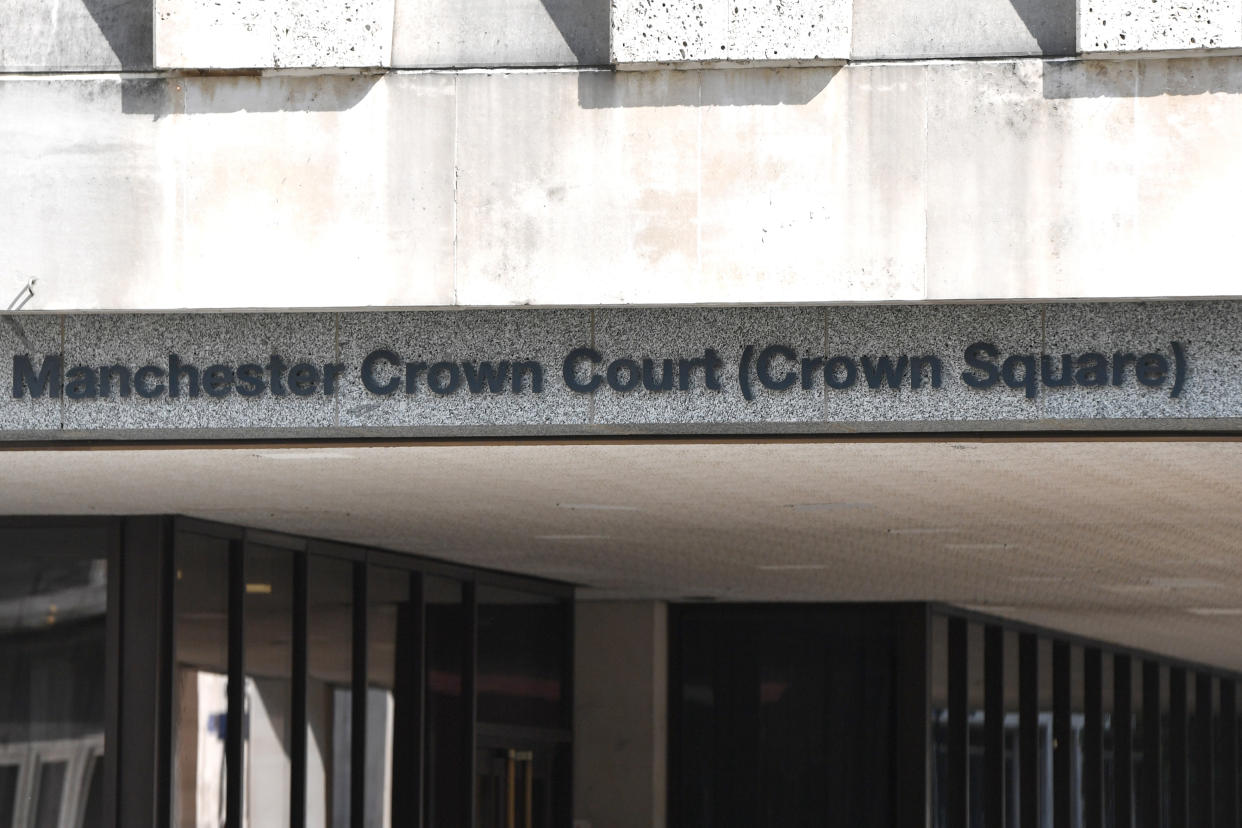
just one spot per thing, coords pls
(905, 29)
(841, 369)
(648, 32)
(500, 33)
(74, 35)
(1145, 26)
(228, 34)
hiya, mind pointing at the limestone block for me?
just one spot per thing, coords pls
(74, 35)
(1158, 26)
(230, 34)
(645, 32)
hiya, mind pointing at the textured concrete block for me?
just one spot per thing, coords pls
(203, 340)
(687, 333)
(1145, 26)
(74, 35)
(442, 341)
(227, 34)
(500, 33)
(645, 32)
(32, 335)
(904, 29)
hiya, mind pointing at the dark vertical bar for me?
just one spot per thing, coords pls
(1028, 730)
(407, 742)
(994, 727)
(358, 711)
(1177, 748)
(297, 770)
(141, 579)
(1203, 800)
(914, 719)
(235, 720)
(1229, 754)
(1123, 741)
(470, 699)
(1151, 743)
(1093, 738)
(1062, 736)
(113, 751)
(959, 733)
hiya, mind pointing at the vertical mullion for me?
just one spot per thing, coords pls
(1093, 738)
(1229, 760)
(408, 708)
(297, 770)
(1123, 741)
(1028, 730)
(1062, 734)
(235, 720)
(1177, 748)
(959, 733)
(1203, 803)
(358, 709)
(1151, 742)
(470, 698)
(113, 751)
(994, 726)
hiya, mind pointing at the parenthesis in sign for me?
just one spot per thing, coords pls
(1179, 377)
(743, 372)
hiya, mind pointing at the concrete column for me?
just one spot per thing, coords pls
(620, 714)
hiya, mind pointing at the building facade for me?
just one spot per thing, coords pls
(586, 414)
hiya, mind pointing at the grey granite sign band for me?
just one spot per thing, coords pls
(893, 368)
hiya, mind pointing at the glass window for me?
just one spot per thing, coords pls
(267, 612)
(446, 757)
(53, 645)
(522, 644)
(329, 693)
(200, 631)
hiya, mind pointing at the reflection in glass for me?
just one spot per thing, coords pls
(330, 607)
(268, 635)
(522, 643)
(53, 607)
(445, 787)
(200, 633)
(388, 622)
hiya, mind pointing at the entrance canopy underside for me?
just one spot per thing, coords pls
(1137, 541)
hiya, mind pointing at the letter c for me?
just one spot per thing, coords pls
(570, 369)
(368, 372)
(764, 366)
(141, 379)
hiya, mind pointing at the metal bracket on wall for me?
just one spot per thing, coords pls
(23, 296)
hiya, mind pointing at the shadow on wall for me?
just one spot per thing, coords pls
(1142, 78)
(1053, 24)
(709, 87)
(217, 94)
(585, 26)
(127, 26)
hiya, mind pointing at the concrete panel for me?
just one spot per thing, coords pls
(230, 34)
(904, 29)
(813, 180)
(620, 714)
(74, 35)
(1027, 193)
(646, 32)
(228, 191)
(582, 187)
(1141, 26)
(500, 33)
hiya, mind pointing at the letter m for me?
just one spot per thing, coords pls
(48, 381)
